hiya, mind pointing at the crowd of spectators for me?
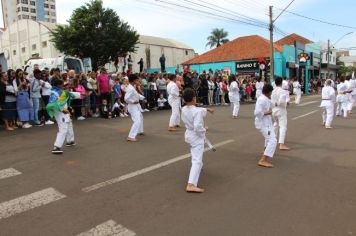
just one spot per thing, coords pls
(23, 97)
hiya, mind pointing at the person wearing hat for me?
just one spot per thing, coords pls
(132, 98)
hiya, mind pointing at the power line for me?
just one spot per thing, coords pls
(230, 12)
(210, 13)
(320, 21)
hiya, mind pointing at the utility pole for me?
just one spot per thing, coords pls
(328, 59)
(271, 43)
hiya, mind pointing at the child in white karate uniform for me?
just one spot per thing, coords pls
(58, 108)
(263, 123)
(193, 118)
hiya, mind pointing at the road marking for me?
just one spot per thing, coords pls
(306, 103)
(28, 202)
(145, 170)
(298, 117)
(7, 173)
(108, 228)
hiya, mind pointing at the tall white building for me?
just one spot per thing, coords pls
(38, 10)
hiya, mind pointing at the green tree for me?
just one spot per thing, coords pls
(217, 38)
(95, 32)
(344, 70)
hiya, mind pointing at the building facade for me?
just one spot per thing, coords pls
(151, 48)
(37, 10)
(26, 39)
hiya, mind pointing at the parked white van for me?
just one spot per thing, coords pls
(63, 63)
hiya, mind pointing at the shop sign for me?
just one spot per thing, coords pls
(247, 65)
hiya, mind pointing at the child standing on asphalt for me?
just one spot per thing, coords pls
(193, 118)
(58, 108)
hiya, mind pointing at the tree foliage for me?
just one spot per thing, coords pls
(95, 32)
(344, 70)
(217, 38)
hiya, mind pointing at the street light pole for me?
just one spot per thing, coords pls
(271, 43)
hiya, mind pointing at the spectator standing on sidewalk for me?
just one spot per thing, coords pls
(46, 93)
(35, 94)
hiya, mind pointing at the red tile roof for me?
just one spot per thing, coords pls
(248, 47)
(289, 40)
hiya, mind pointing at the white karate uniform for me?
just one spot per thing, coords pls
(135, 110)
(259, 87)
(175, 103)
(328, 98)
(341, 100)
(285, 86)
(65, 129)
(297, 91)
(193, 118)
(263, 123)
(234, 97)
(279, 100)
(350, 88)
(353, 94)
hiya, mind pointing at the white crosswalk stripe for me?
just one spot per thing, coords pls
(108, 228)
(28, 202)
(7, 173)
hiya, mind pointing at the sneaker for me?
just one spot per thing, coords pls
(96, 115)
(49, 122)
(26, 126)
(146, 110)
(38, 124)
(122, 115)
(70, 144)
(126, 115)
(57, 150)
(81, 118)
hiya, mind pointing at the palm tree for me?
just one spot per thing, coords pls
(217, 37)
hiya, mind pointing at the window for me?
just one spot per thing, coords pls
(24, 1)
(47, 13)
(33, 10)
(25, 17)
(186, 52)
(53, 6)
(33, 18)
(53, 20)
(14, 52)
(18, 1)
(53, 13)
(18, 9)
(46, 5)
(23, 50)
(34, 46)
(25, 9)
(44, 44)
(19, 17)
(32, 3)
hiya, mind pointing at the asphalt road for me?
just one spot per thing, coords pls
(104, 181)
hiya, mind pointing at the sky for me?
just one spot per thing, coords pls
(158, 18)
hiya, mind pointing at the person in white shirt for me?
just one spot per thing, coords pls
(161, 102)
(353, 93)
(341, 98)
(234, 97)
(132, 98)
(297, 91)
(279, 101)
(263, 123)
(175, 103)
(259, 86)
(193, 118)
(285, 86)
(328, 98)
(350, 89)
